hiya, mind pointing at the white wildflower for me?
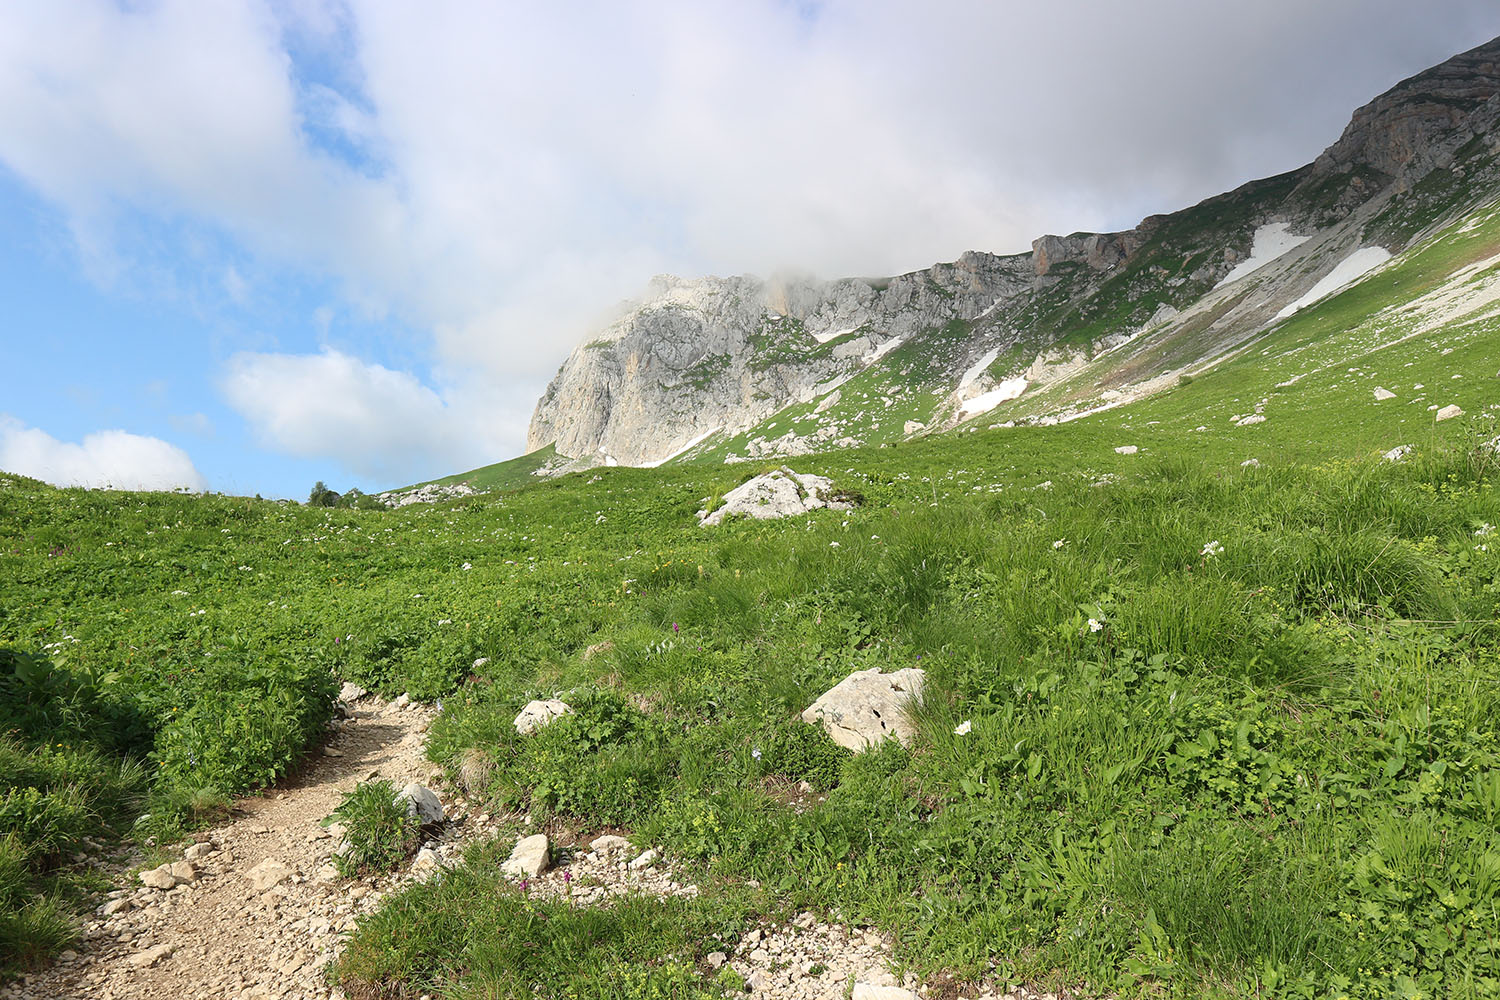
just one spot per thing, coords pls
(1095, 625)
(963, 728)
(1211, 549)
(1059, 543)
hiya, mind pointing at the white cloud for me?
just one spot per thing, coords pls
(381, 424)
(112, 459)
(496, 176)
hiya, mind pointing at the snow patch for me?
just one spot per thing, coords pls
(1346, 272)
(884, 349)
(1009, 389)
(1270, 242)
(824, 338)
(690, 445)
(977, 369)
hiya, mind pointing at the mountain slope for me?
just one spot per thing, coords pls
(736, 368)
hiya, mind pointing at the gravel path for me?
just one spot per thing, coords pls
(228, 934)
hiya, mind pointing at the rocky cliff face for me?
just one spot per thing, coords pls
(739, 367)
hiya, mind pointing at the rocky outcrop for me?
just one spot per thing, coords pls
(782, 493)
(1419, 123)
(719, 354)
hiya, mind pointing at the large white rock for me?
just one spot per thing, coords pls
(159, 878)
(351, 692)
(1449, 412)
(422, 803)
(532, 856)
(537, 714)
(868, 706)
(782, 493)
(1382, 394)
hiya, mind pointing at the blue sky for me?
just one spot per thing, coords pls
(251, 244)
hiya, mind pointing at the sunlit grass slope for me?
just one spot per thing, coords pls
(1232, 725)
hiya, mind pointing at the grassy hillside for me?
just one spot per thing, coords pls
(1232, 723)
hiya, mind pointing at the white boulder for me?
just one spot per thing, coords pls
(782, 493)
(532, 856)
(868, 706)
(537, 714)
(1449, 412)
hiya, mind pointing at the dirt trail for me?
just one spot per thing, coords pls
(221, 937)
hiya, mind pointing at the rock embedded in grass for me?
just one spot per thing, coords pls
(782, 493)
(1449, 412)
(868, 706)
(422, 803)
(539, 713)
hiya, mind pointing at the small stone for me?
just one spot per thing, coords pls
(402, 701)
(1254, 418)
(867, 707)
(332, 752)
(1449, 412)
(869, 991)
(646, 860)
(350, 693)
(116, 906)
(597, 649)
(158, 878)
(760, 956)
(185, 871)
(716, 959)
(196, 851)
(1382, 394)
(268, 873)
(1126, 449)
(427, 860)
(531, 856)
(149, 957)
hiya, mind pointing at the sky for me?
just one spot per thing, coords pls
(251, 244)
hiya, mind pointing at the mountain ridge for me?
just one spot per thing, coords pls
(737, 368)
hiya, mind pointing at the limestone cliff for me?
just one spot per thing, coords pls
(742, 367)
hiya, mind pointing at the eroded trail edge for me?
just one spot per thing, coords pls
(265, 910)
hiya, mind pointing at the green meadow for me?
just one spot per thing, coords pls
(1232, 727)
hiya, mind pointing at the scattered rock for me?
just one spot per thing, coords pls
(532, 856)
(184, 871)
(1126, 449)
(268, 873)
(1254, 418)
(402, 700)
(646, 860)
(196, 851)
(1250, 463)
(598, 649)
(426, 861)
(537, 714)
(912, 426)
(422, 803)
(351, 692)
(716, 960)
(1397, 454)
(149, 957)
(868, 706)
(609, 844)
(1382, 394)
(782, 493)
(159, 878)
(1449, 412)
(866, 991)
(114, 906)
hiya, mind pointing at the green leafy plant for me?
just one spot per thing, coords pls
(379, 832)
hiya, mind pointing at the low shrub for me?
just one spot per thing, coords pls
(379, 831)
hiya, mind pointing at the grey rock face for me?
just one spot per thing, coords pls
(697, 356)
(867, 707)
